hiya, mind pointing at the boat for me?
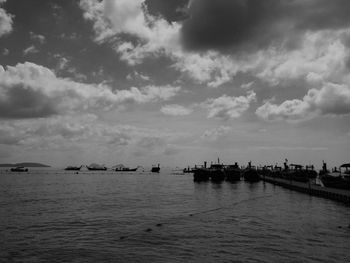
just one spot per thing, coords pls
(73, 168)
(250, 174)
(298, 173)
(200, 173)
(346, 173)
(155, 169)
(336, 178)
(216, 172)
(276, 171)
(188, 170)
(265, 170)
(96, 167)
(122, 168)
(233, 172)
(19, 169)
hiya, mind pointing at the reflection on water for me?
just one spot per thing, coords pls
(57, 216)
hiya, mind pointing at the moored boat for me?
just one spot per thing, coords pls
(73, 168)
(19, 169)
(216, 172)
(298, 173)
(250, 174)
(96, 167)
(155, 169)
(122, 168)
(201, 173)
(336, 178)
(233, 172)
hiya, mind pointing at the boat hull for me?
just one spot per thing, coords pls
(126, 170)
(72, 168)
(335, 182)
(251, 175)
(155, 169)
(200, 175)
(19, 170)
(233, 175)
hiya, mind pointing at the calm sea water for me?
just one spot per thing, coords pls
(58, 216)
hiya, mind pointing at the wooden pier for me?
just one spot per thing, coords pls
(311, 188)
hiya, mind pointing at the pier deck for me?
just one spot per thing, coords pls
(310, 188)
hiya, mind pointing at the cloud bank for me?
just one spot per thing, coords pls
(28, 91)
(331, 99)
(226, 107)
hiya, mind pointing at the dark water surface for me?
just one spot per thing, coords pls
(57, 216)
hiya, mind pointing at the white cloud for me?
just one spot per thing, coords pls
(29, 90)
(113, 17)
(331, 99)
(30, 50)
(226, 107)
(5, 21)
(175, 110)
(320, 53)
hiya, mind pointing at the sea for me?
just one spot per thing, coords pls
(52, 215)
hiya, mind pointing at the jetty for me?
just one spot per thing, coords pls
(310, 188)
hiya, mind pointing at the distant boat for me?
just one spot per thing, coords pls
(19, 169)
(96, 167)
(122, 168)
(155, 169)
(73, 168)
(188, 170)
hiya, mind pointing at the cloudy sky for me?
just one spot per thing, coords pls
(174, 81)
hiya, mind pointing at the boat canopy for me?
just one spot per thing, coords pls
(345, 165)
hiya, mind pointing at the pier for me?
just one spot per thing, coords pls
(310, 188)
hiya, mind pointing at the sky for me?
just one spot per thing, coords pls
(175, 82)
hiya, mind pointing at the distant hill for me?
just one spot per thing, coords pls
(24, 165)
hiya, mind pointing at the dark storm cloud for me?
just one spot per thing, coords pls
(225, 24)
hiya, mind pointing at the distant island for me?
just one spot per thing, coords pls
(24, 165)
